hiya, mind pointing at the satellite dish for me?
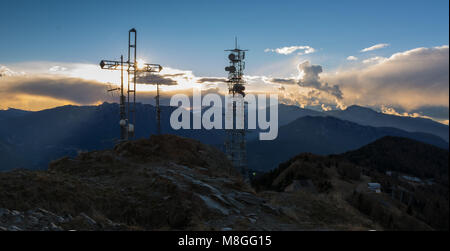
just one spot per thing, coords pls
(123, 122)
(230, 68)
(232, 57)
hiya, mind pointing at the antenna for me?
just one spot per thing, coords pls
(128, 113)
(132, 68)
(158, 111)
(235, 144)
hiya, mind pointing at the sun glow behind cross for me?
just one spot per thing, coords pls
(140, 63)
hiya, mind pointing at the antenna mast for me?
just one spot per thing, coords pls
(235, 144)
(132, 69)
(158, 111)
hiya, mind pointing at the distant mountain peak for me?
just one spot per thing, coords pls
(359, 108)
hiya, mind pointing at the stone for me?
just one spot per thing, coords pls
(60, 219)
(54, 227)
(14, 228)
(4, 211)
(249, 199)
(88, 219)
(15, 213)
(33, 220)
(269, 208)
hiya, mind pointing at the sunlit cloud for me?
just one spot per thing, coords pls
(373, 60)
(304, 49)
(6, 72)
(375, 47)
(392, 111)
(352, 58)
(410, 80)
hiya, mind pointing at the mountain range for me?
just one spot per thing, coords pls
(323, 135)
(32, 139)
(367, 116)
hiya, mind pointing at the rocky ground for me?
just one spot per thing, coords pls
(162, 183)
(42, 220)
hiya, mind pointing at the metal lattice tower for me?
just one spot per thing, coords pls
(235, 145)
(128, 110)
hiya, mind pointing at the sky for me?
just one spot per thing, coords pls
(388, 55)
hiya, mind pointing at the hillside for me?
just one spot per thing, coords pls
(401, 205)
(322, 135)
(403, 155)
(162, 183)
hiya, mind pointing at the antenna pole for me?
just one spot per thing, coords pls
(123, 122)
(158, 111)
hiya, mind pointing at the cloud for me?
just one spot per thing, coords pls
(408, 80)
(6, 72)
(374, 47)
(311, 79)
(79, 91)
(411, 83)
(174, 75)
(374, 60)
(284, 81)
(304, 49)
(153, 79)
(325, 107)
(57, 68)
(212, 80)
(393, 111)
(352, 58)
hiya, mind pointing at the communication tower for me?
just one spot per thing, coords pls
(235, 144)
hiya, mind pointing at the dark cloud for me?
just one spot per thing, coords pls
(153, 79)
(311, 79)
(284, 81)
(77, 90)
(213, 80)
(173, 75)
